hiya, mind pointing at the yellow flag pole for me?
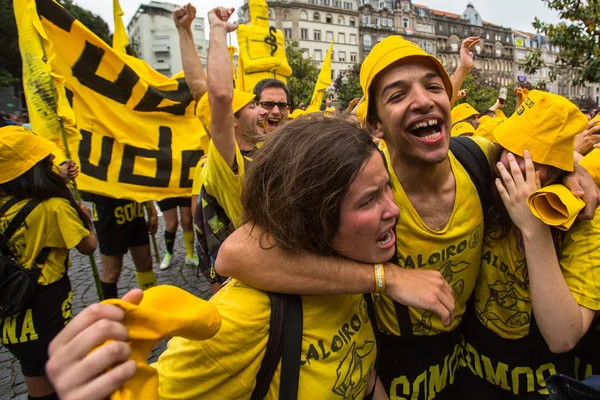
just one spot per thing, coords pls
(99, 290)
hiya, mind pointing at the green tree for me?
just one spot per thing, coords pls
(10, 57)
(578, 38)
(352, 89)
(482, 95)
(304, 75)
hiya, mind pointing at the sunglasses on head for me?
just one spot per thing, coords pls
(269, 105)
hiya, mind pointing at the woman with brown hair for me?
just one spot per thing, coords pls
(318, 185)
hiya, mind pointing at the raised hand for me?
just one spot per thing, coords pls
(218, 17)
(466, 54)
(184, 16)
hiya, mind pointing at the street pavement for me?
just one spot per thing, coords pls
(12, 384)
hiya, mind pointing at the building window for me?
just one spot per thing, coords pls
(352, 38)
(421, 13)
(304, 53)
(342, 56)
(405, 21)
(337, 3)
(303, 15)
(326, 2)
(487, 36)
(454, 44)
(498, 49)
(316, 16)
(367, 42)
(441, 28)
(353, 58)
(329, 36)
(406, 6)
(341, 38)
(304, 34)
(328, 19)
(352, 22)
(347, 5)
(428, 48)
(478, 49)
(341, 20)
(270, 14)
(286, 16)
(287, 32)
(390, 22)
(366, 19)
(318, 56)
(317, 35)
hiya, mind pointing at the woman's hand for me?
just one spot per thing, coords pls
(77, 372)
(514, 189)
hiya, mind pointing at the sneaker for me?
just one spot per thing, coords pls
(193, 261)
(166, 262)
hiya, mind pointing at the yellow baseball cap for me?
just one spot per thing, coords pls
(385, 53)
(462, 112)
(20, 149)
(546, 124)
(240, 100)
(486, 127)
(462, 128)
(297, 112)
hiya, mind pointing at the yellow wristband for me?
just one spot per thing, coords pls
(379, 279)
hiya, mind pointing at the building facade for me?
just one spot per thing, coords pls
(153, 36)
(313, 24)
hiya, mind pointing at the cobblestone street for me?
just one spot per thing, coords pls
(12, 385)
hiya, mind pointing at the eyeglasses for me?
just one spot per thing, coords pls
(269, 105)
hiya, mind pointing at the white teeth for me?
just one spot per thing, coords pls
(424, 124)
(386, 240)
(433, 136)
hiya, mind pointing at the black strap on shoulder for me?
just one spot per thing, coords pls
(15, 223)
(285, 344)
(274, 349)
(474, 161)
(292, 349)
(7, 206)
(371, 311)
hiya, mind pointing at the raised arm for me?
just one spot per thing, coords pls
(190, 60)
(242, 256)
(562, 321)
(220, 83)
(464, 66)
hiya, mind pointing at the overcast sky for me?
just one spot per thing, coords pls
(516, 14)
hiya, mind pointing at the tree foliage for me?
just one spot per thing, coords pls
(304, 75)
(482, 95)
(352, 89)
(578, 38)
(10, 57)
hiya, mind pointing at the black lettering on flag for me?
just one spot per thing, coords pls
(99, 171)
(189, 159)
(164, 162)
(55, 14)
(153, 97)
(85, 70)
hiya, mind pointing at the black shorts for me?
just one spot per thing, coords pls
(120, 224)
(27, 335)
(173, 202)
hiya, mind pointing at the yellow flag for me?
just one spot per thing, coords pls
(140, 138)
(44, 87)
(323, 82)
(262, 49)
(120, 41)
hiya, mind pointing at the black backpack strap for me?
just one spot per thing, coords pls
(292, 349)
(15, 223)
(268, 366)
(474, 161)
(7, 206)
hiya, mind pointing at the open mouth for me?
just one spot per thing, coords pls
(272, 123)
(387, 239)
(429, 129)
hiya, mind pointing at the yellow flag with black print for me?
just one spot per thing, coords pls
(140, 139)
(323, 82)
(120, 41)
(44, 87)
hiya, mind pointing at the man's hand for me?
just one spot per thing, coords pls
(587, 139)
(218, 17)
(423, 289)
(461, 94)
(466, 54)
(183, 16)
(582, 185)
(68, 170)
(85, 209)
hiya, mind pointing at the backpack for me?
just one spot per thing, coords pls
(17, 284)
(474, 161)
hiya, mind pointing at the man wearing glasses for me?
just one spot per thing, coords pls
(273, 96)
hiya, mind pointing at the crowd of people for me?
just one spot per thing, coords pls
(392, 250)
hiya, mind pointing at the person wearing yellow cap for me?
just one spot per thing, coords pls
(464, 114)
(538, 287)
(331, 352)
(237, 126)
(39, 222)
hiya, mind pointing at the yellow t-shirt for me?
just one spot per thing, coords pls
(591, 163)
(53, 223)
(454, 251)
(197, 183)
(502, 297)
(338, 350)
(225, 185)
